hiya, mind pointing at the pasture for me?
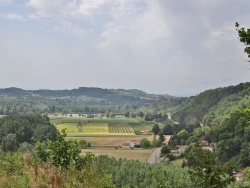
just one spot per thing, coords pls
(62, 120)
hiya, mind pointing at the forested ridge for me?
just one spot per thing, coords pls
(86, 100)
(210, 107)
(16, 131)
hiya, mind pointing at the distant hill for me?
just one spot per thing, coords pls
(13, 92)
(209, 107)
(95, 95)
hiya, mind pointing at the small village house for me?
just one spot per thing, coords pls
(145, 132)
(181, 148)
(238, 175)
(126, 145)
(134, 142)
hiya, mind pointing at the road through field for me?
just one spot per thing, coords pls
(154, 156)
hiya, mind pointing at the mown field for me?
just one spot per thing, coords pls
(109, 140)
(135, 154)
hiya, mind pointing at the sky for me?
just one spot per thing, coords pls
(180, 47)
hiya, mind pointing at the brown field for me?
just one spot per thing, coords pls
(135, 154)
(110, 140)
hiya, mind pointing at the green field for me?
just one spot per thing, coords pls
(95, 128)
(120, 128)
(130, 127)
(116, 120)
(61, 120)
(70, 128)
(100, 126)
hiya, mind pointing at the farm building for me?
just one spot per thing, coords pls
(131, 144)
(145, 132)
(126, 145)
(134, 142)
(181, 148)
(238, 175)
(204, 143)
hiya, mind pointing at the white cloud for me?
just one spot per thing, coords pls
(5, 1)
(153, 45)
(71, 8)
(85, 8)
(136, 27)
(12, 16)
(75, 29)
(46, 8)
(218, 37)
(10, 44)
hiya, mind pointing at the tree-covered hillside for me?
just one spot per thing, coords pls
(16, 130)
(209, 107)
(81, 100)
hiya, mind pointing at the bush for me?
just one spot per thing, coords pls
(165, 150)
(145, 143)
(83, 142)
(60, 153)
(171, 157)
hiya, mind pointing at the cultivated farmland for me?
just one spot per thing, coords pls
(135, 154)
(120, 128)
(107, 134)
(132, 127)
(109, 140)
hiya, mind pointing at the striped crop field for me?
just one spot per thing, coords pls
(128, 126)
(120, 128)
(132, 127)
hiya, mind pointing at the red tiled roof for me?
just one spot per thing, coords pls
(135, 140)
(126, 144)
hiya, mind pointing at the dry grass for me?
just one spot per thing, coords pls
(111, 140)
(135, 154)
(95, 128)
(90, 128)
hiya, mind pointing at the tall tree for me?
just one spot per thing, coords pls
(61, 153)
(244, 37)
(203, 168)
(161, 136)
(167, 129)
(156, 129)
